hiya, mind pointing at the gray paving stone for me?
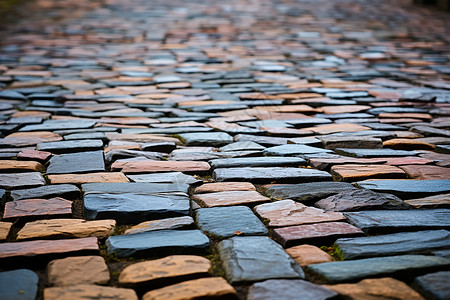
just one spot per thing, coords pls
(249, 259)
(208, 139)
(257, 162)
(406, 188)
(21, 180)
(375, 152)
(158, 243)
(293, 149)
(81, 162)
(224, 222)
(50, 125)
(70, 146)
(176, 178)
(242, 146)
(66, 191)
(185, 222)
(18, 284)
(333, 142)
(308, 191)
(434, 285)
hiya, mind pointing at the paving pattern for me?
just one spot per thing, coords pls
(225, 150)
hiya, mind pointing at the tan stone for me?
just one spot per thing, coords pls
(140, 138)
(229, 198)
(403, 134)
(406, 115)
(160, 166)
(17, 165)
(376, 289)
(360, 172)
(31, 113)
(340, 109)
(66, 228)
(431, 201)
(306, 255)
(333, 128)
(31, 138)
(170, 223)
(171, 269)
(289, 213)
(426, 172)
(224, 186)
(77, 270)
(85, 291)
(88, 178)
(37, 207)
(205, 288)
(5, 227)
(408, 144)
(325, 163)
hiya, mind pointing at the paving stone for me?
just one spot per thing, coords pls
(78, 270)
(66, 228)
(293, 149)
(140, 138)
(87, 178)
(397, 220)
(5, 228)
(207, 288)
(360, 199)
(333, 142)
(81, 162)
(242, 146)
(426, 172)
(23, 139)
(18, 284)
(314, 233)
(70, 146)
(407, 189)
(428, 131)
(185, 222)
(408, 144)
(286, 289)
(66, 191)
(438, 201)
(20, 166)
(59, 125)
(142, 188)
(227, 198)
(209, 139)
(160, 166)
(224, 187)
(308, 191)
(36, 249)
(249, 259)
(376, 289)
(289, 213)
(351, 270)
(87, 291)
(306, 255)
(434, 285)
(165, 147)
(270, 174)
(169, 177)
(374, 152)
(354, 172)
(224, 222)
(133, 208)
(257, 162)
(333, 128)
(158, 243)
(54, 207)
(165, 271)
(21, 180)
(30, 154)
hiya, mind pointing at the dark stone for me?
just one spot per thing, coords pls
(293, 149)
(142, 188)
(50, 125)
(435, 285)
(158, 243)
(257, 162)
(407, 188)
(81, 162)
(378, 221)
(308, 191)
(66, 191)
(208, 139)
(18, 284)
(353, 270)
(86, 136)
(116, 154)
(224, 222)
(375, 152)
(263, 140)
(242, 146)
(134, 208)
(255, 258)
(362, 142)
(70, 146)
(165, 147)
(393, 244)
(430, 131)
(384, 135)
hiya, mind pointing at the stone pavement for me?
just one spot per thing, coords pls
(225, 150)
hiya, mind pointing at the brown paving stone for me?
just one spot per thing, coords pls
(339, 109)
(440, 159)
(66, 228)
(88, 178)
(406, 115)
(353, 172)
(21, 139)
(376, 289)
(438, 201)
(86, 291)
(18, 166)
(165, 271)
(230, 198)
(333, 128)
(320, 233)
(224, 187)
(407, 144)
(306, 255)
(288, 213)
(78, 270)
(426, 172)
(30, 154)
(160, 166)
(5, 227)
(325, 163)
(37, 208)
(207, 288)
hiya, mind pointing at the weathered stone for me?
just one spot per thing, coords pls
(434, 285)
(224, 222)
(257, 162)
(376, 289)
(158, 243)
(87, 178)
(134, 208)
(59, 125)
(334, 128)
(374, 152)
(288, 213)
(224, 187)
(376, 221)
(249, 259)
(314, 233)
(87, 291)
(18, 284)
(169, 177)
(406, 189)
(66, 191)
(21, 180)
(208, 139)
(77, 270)
(407, 144)
(288, 289)
(438, 201)
(22, 139)
(66, 228)
(308, 191)
(37, 208)
(242, 146)
(426, 172)
(141, 188)
(430, 131)
(165, 271)
(306, 255)
(351, 270)
(70, 146)
(360, 199)
(19, 166)
(204, 288)
(270, 174)
(160, 166)
(140, 138)
(353, 172)
(227, 198)
(170, 223)
(34, 249)
(293, 149)
(29, 154)
(333, 142)
(5, 227)
(81, 162)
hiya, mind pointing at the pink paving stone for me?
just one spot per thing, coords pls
(29, 154)
(361, 172)
(325, 163)
(160, 166)
(407, 160)
(333, 128)
(37, 208)
(230, 198)
(41, 247)
(426, 172)
(224, 187)
(321, 233)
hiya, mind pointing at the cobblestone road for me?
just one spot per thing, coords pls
(270, 149)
